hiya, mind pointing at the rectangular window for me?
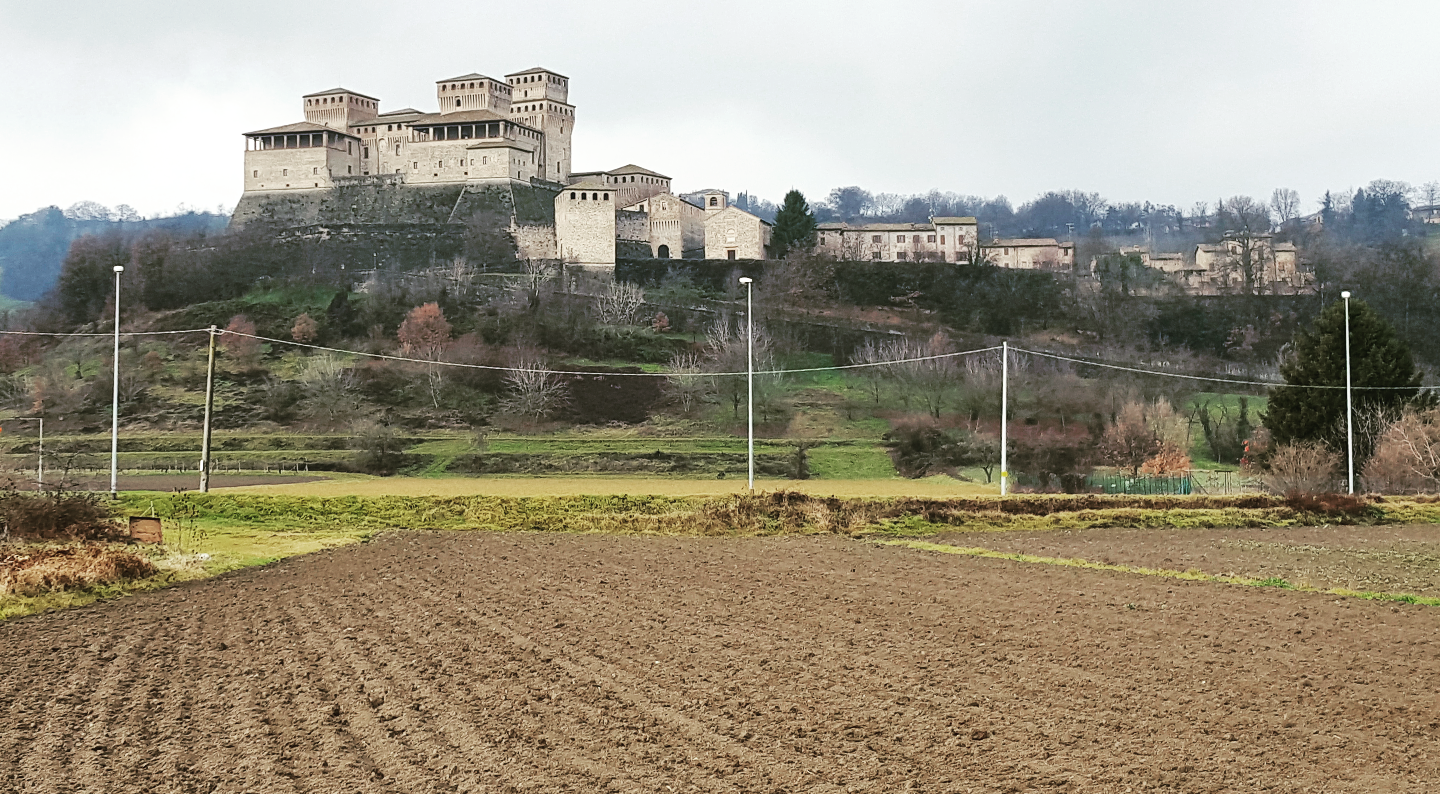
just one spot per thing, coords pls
(257, 174)
(365, 153)
(314, 171)
(942, 239)
(874, 254)
(730, 254)
(875, 239)
(900, 238)
(284, 172)
(930, 239)
(899, 256)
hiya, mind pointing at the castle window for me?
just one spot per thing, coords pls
(572, 194)
(730, 254)
(607, 196)
(349, 169)
(397, 150)
(365, 153)
(257, 174)
(457, 101)
(582, 197)
(284, 172)
(714, 202)
(314, 171)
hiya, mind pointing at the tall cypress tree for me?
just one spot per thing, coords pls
(794, 226)
(1378, 358)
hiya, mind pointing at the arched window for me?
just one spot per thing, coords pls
(714, 202)
(572, 196)
(607, 196)
(663, 252)
(582, 197)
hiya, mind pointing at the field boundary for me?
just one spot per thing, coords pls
(1164, 573)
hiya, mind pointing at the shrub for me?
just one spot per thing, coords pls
(1407, 456)
(920, 449)
(1305, 467)
(56, 515)
(33, 571)
(380, 450)
(1170, 460)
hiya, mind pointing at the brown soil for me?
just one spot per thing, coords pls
(1394, 559)
(496, 663)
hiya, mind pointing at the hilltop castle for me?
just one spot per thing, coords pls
(500, 145)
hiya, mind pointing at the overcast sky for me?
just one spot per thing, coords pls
(144, 103)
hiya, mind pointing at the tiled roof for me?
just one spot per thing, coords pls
(299, 126)
(340, 91)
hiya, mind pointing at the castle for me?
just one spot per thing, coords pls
(510, 138)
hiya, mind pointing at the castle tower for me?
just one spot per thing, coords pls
(540, 99)
(585, 224)
(473, 92)
(714, 200)
(339, 108)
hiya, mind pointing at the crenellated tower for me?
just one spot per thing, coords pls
(339, 108)
(540, 99)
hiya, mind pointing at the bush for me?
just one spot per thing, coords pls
(920, 449)
(380, 450)
(33, 571)
(56, 515)
(1407, 456)
(1304, 468)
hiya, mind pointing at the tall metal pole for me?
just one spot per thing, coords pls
(40, 466)
(1004, 409)
(115, 392)
(1349, 405)
(749, 382)
(209, 409)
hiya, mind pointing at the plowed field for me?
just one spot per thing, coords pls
(525, 662)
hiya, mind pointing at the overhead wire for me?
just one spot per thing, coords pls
(1207, 378)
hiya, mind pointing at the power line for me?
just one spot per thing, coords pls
(410, 360)
(106, 336)
(1266, 383)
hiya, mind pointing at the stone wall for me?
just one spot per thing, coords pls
(585, 228)
(535, 242)
(732, 233)
(386, 199)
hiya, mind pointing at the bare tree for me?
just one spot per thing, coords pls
(1246, 226)
(871, 356)
(925, 369)
(725, 352)
(618, 303)
(535, 393)
(1285, 205)
(686, 382)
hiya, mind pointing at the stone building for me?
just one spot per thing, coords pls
(1031, 253)
(486, 131)
(676, 227)
(733, 233)
(586, 224)
(631, 183)
(945, 239)
(1218, 268)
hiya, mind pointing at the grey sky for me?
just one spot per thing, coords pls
(1161, 101)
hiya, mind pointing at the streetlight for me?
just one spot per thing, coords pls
(115, 392)
(1349, 405)
(749, 380)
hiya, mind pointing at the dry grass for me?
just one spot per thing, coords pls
(608, 486)
(33, 570)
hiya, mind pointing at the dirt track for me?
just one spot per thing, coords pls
(472, 662)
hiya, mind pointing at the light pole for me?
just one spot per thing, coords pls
(115, 392)
(1349, 405)
(1004, 409)
(749, 382)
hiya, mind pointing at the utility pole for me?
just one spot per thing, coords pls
(750, 381)
(1004, 409)
(1349, 406)
(209, 410)
(115, 394)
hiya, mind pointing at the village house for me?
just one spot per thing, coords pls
(1031, 253)
(941, 240)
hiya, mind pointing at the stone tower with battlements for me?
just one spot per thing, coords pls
(540, 98)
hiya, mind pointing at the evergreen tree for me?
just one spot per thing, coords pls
(1378, 358)
(794, 226)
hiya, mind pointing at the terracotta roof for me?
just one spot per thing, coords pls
(588, 184)
(1026, 242)
(340, 91)
(299, 126)
(471, 76)
(877, 227)
(462, 117)
(537, 69)
(963, 219)
(635, 169)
